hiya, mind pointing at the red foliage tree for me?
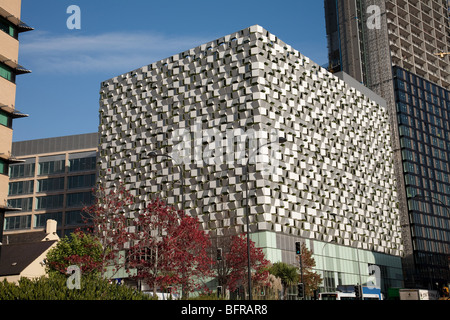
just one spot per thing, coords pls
(110, 224)
(232, 269)
(169, 248)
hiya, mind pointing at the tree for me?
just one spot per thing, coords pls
(288, 275)
(311, 279)
(110, 221)
(169, 248)
(79, 249)
(232, 270)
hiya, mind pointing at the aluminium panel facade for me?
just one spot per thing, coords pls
(332, 180)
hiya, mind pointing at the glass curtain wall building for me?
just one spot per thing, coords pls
(423, 111)
(372, 40)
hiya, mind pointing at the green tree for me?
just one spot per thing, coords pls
(288, 275)
(80, 249)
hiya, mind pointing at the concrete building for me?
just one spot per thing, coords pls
(367, 37)
(54, 180)
(209, 110)
(377, 42)
(10, 28)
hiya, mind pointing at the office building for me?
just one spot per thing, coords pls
(331, 184)
(54, 180)
(382, 43)
(10, 28)
(423, 111)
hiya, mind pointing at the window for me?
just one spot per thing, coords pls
(329, 281)
(51, 184)
(52, 165)
(82, 162)
(17, 222)
(5, 119)
(7, 73)
(22, 170)
(26, 204)
(21, 187)
(79, 199)
(3, 167)
(40, 220)
(75, 217)
(50, 202)
(402, 107)
(8, 28)
(84, 181)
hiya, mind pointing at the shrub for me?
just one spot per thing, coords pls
(54, 287)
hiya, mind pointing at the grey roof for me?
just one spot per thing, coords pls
(56, 144)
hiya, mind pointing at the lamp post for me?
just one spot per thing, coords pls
(153, 154)
(247, 213)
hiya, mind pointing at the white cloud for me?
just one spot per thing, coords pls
(108, 52)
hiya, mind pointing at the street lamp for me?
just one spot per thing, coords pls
(357, 256)
(247, 213)
(153, 154)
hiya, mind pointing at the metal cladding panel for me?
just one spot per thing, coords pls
(57, 144)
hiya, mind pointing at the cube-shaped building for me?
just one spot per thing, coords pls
(215, 110)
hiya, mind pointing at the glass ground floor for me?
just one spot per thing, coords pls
(336, 264)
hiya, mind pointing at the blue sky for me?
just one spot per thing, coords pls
(61, 95)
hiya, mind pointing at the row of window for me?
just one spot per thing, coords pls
(421, 205)
(430, 246)
(431, 233)
(422, 109)
(420, 83)
(73, 200)
(423, 160)
(434, 187)
(439, 172)
(419, 98)
(51, 184)
(425, 183)
(424, 149)
(25, 170)
(426, 132)
(72, 218)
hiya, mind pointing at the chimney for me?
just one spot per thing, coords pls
(51, 230)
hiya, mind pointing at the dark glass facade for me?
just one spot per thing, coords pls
(423, 113)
